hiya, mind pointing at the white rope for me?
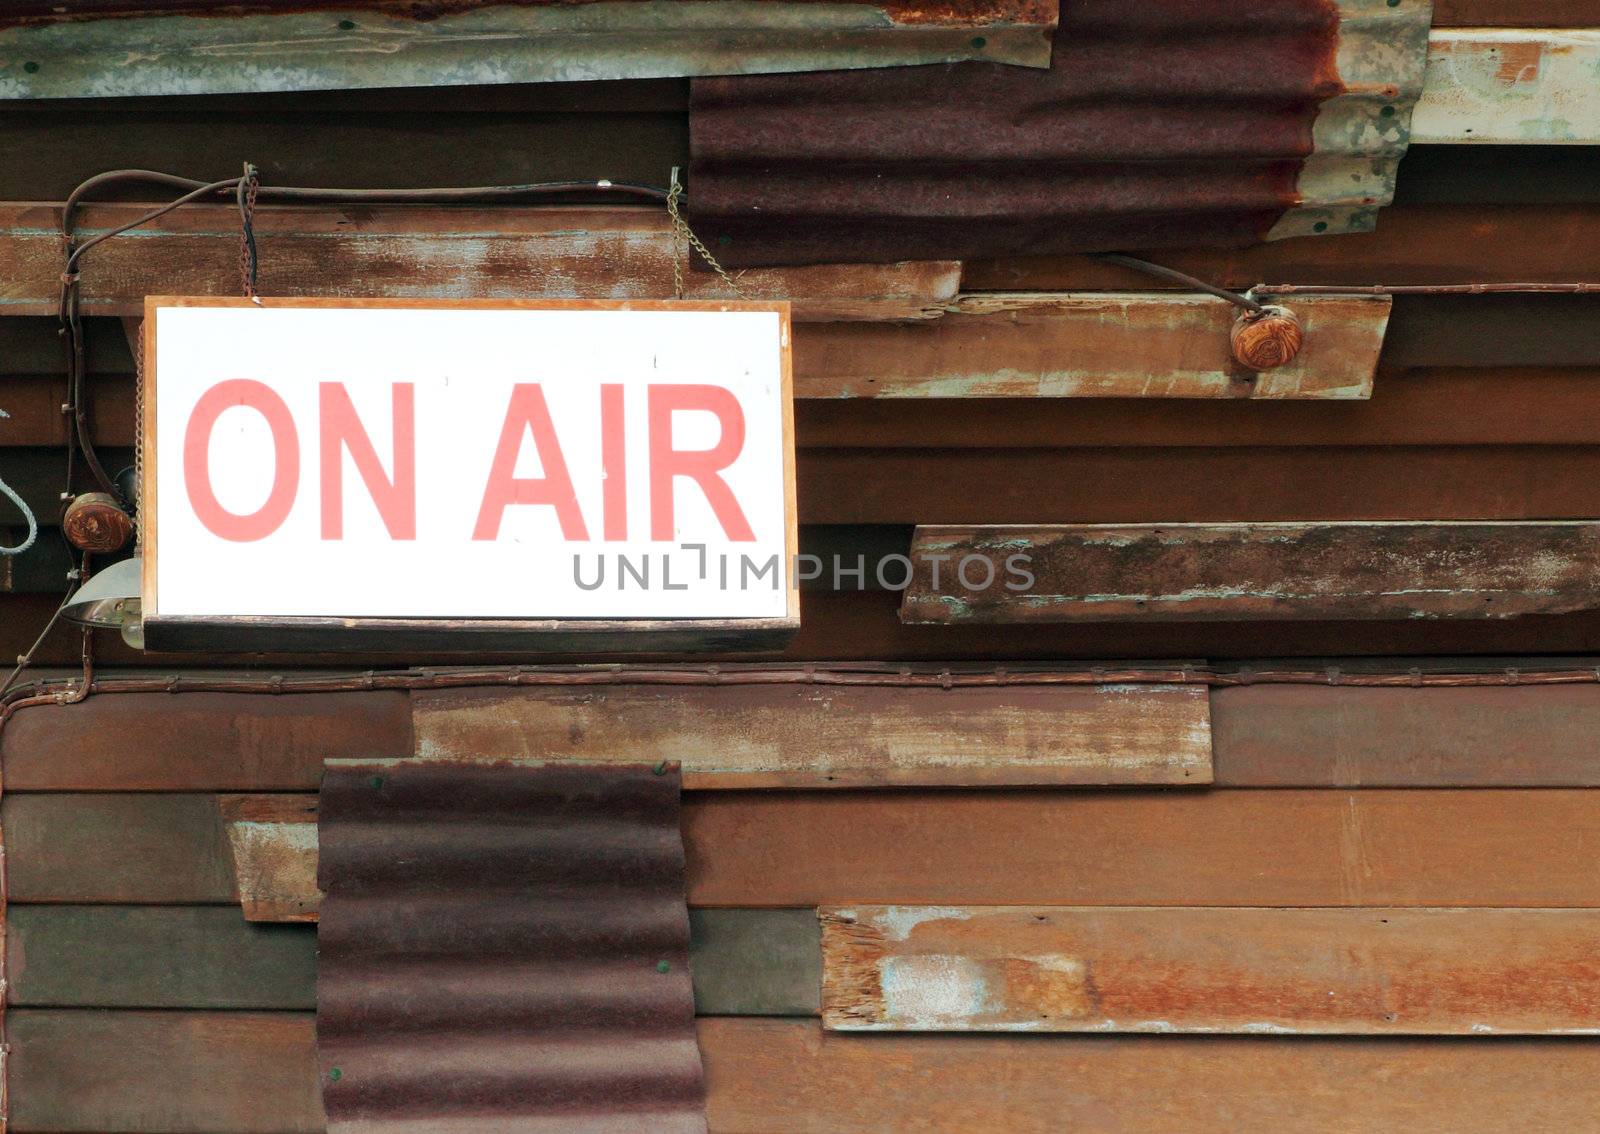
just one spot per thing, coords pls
(22, 506)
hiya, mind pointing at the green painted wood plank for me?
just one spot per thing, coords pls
(745, 962)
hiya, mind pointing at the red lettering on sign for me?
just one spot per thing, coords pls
(197, 460)
(699, 465)
(341, 429)
(613, 462)
(529, 411)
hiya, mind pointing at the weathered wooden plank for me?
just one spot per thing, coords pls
(199, 741)
(244, 1073)
(764, 1074)
(1277, 971)
(156, 957)
(410, 252)
(1267, 848)
(116, 848)
(1321, 736)
(1516, 406)
(1215, 572)
(1413, 244)
(1475, 847)
(266, 48)
(1529, 86)
(1263, 735)
(1086, 345)
(168, 1072)
(272, 840)
(865, 626)
(756, 962)
(1506, 406)
(818, 736)
(1197, 485)
(360, 145)
(744, 962)
(1516, 13)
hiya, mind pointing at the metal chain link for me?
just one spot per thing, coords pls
(684, 235)
(249, 188)
(138, 439)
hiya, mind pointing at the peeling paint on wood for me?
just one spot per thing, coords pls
(1082, 345)
(151, 51)
(407, 252)
(807, 736)
(1240, 971)
(1213, 572)
(273, 840)
(1512, 86)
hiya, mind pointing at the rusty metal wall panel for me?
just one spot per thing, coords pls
(1169, 122)
(165, 47)
(505, 948)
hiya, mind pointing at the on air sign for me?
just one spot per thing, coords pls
(320, 473)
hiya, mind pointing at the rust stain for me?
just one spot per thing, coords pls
(1240, 971)
(1158, 124)
(1056, 988)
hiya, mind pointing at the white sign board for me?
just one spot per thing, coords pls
(543, 462)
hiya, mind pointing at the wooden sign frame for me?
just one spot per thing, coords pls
(409, 634)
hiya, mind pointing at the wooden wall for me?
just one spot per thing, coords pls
(1368, 909)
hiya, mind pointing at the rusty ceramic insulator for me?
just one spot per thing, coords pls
(96, 522)
(1266, 338)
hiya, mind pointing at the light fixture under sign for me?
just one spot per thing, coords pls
(110, 601)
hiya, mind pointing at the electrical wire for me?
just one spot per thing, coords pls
(1241, 300)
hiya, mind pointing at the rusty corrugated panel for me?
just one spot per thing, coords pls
(505, 948)
(163, 47)
(1167, 122)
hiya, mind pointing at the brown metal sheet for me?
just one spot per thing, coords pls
(505, 948)
(1163, 123)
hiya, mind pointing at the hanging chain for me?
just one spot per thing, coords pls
(249, 187)
(683, 238)
(138, 438)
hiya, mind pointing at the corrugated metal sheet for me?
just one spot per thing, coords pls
(163, 47)
(505, 948)
(1166, 122)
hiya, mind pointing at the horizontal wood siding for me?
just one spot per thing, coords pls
(248, 1073)
(215, 741)
(1512, 242)
(1505, 406)
(1216, 572)
(1086, 345)
(865, 626)
(408, 252)
(1479, 847)
(744, 962)
(1197, 485)
(1265, 971)
(1321, 736)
